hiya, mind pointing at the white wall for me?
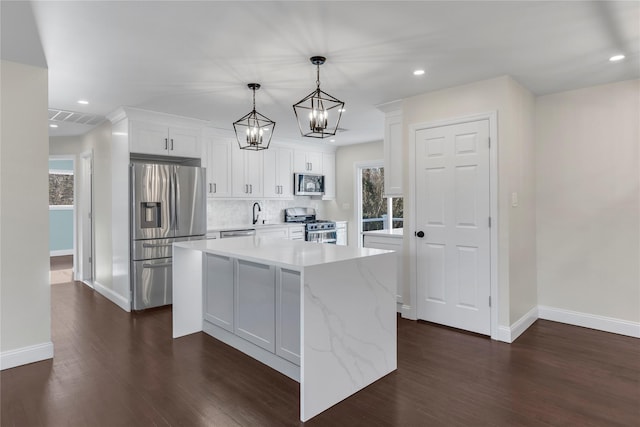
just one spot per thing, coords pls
(588, 200)
(516, 232)
(24, 222)
(343, 207)
(99, 140)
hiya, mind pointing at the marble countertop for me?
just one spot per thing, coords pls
(250, 226)
(292, 254)
(395, 233)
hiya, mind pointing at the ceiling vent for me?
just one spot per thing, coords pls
(74, 117)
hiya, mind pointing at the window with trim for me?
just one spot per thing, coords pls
(377, 211)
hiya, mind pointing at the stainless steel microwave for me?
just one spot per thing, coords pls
(308, 184)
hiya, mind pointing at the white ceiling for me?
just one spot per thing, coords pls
(195, 58)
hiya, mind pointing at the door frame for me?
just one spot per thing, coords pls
(411, 311)
(86, 241)
(74, 214)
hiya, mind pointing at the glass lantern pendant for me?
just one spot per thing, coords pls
(318, 114)
(254, 130)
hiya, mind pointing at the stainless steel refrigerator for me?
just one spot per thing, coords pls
(168, 204)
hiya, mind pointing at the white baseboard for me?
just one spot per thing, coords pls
(115, 298)
(593, 321)
(25, 355)
(510, 334)
(61, 252)
(407, 312)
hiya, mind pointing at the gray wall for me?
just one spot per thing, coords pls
(24, 222)
(588, 200)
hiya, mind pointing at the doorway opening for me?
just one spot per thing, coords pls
(374, 210)
(62, 212)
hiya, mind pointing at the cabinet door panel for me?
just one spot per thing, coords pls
(220, 171)
(253, 172)
(288, 315)
(271, 185)
(315, 161)
(149, 138)
(329, 172)
(218, 308)
(254, 303)
(184, 142)
(285, 172)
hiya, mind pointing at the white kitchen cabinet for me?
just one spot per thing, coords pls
(307, 161)
(341, 233)
(288, 315)
(217, 159)
(247, 173)
(158, 139)
(329, 172)
(392, 148)
(278, 173)
(254, 303)
(389, 240)
(296, 233)
(218, 298)
(273, 232)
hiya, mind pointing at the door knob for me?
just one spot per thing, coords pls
(420, 234)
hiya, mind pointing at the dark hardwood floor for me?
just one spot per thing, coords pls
(117, 369)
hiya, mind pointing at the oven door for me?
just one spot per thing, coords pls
(322, 236)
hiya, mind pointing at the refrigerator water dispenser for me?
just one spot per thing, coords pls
(150, 215)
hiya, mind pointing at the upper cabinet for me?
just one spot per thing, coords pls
(308, 161)
(329, 172)
(278, 173)
(151, 138)
(247, 170)
(392, 148)
(160, 134)
(216, 157)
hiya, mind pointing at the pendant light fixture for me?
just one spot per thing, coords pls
(254, 130)
(319, 113)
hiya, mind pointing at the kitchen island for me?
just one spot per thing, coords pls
(321, 314)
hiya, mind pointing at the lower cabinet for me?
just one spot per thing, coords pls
(218, 292)
(288, 315)
(273, 232)
(257, 302)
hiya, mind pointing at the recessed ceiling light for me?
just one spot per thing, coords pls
(418, 72)
(83, 102)
(616, 58)
(53, 126)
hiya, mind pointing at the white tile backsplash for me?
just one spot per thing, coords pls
(223, 213)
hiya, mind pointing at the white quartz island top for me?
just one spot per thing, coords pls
(292, 254)
(322, 314)
(394, 233)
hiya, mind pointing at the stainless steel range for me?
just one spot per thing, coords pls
(316, 230)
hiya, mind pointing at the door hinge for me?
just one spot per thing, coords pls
(489, 222)
(489, 300)
(90, 260)
(489, 142)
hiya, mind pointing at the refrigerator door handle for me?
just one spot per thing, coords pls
(158, 265)
(176, 199)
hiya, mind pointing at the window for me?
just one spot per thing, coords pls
(60, 182)
(376, 212)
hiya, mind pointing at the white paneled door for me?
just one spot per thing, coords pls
(452, 226)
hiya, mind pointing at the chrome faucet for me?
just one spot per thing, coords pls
(255, 214)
